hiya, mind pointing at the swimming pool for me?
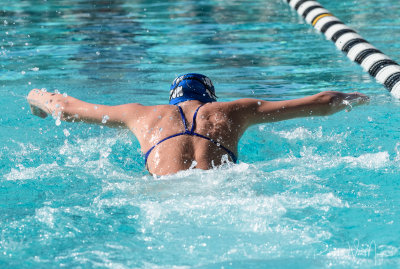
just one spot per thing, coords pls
(307, 193)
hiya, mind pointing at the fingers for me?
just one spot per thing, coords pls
(38, 112)
(354, 99)
(357, 98)
(35, 103)
(33, 92)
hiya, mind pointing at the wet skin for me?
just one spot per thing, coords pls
(224, 122)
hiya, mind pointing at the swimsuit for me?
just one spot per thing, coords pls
(192, 133)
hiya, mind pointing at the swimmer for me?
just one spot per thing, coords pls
(193, 130)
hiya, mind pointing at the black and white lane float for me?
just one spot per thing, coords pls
(381, 67)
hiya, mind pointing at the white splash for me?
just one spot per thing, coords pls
(24, 173)
(369, 160)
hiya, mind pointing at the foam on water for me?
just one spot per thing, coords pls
(23, 173)
(230, 213)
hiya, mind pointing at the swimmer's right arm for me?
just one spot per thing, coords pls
(68, 108)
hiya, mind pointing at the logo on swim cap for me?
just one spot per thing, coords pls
(176, 93)
(192, 87)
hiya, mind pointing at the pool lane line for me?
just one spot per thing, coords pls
(381, 67)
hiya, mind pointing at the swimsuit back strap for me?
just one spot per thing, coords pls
(183, 118)
(186, 132)
(146, 156)
(191, 132)
(194, 119)
(230, 153)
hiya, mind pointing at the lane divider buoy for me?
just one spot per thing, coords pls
(381, 67)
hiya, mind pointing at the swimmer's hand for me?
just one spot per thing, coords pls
(38, 112)
(37, 108)
(349, 100)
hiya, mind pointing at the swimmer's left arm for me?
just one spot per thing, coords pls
(68, 108)
(255, 111)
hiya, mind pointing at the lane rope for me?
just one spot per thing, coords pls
(381, 67)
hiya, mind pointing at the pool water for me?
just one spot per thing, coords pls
(307, 193)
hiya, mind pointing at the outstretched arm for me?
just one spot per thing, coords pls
(321, 104)
(71, 109)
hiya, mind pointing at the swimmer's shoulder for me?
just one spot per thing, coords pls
(149, 111)
(235, 105)
(143, 108)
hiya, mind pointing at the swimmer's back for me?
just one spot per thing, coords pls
(181, 152)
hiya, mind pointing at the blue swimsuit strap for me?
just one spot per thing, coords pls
(191, 132)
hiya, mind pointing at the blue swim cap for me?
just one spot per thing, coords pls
(192, 87)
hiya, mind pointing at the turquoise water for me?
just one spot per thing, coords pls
(307, 193)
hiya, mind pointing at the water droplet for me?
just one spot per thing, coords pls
(105, 119)
(95, 107)
(65, 94)
(193, 165)
(97, 52)
(66, 132)
(23, 72)
(58, 122)
(259, 103)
